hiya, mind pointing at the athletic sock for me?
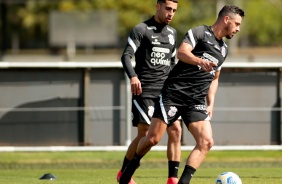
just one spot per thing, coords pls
(130, 169)
(124, 164)
(187, 175)
(173, 167)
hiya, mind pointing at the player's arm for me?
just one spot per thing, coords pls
(173, 59)
(132, 45)
(127, 65)
(174, 51)
(189, 42)
(211, 93)
(185, 54)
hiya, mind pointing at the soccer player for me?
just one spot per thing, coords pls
(189, 91)
(153, 43)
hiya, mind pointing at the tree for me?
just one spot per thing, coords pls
(262, 25)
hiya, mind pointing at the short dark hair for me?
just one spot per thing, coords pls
(163, 1)
(227, 9)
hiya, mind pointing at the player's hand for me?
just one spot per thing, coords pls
(207, 66)
(136, 88)
(209, 111)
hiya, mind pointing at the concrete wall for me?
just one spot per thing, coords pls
(56, 106)
(23, 94)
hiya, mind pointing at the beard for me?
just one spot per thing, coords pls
(228, 32)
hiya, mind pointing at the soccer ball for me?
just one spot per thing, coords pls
(228, 178)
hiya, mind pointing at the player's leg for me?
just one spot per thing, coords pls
(174, 151)
(142, 130)
(141, 108)
(159, 123)
(202, 133)
(155, 133)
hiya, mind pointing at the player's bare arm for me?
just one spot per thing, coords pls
(211, 94)
(185, 55)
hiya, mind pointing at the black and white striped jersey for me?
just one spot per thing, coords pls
(189, 84)
(154, 47)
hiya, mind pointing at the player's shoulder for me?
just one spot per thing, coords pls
(171, 29)
(199, 31)
(141, 27)
(201, 28)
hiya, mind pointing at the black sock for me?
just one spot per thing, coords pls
(124, 164)
(173, 167)
(187, 175)
(130, 169)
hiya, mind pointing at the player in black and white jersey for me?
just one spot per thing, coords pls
(190, 88)
(153, 43)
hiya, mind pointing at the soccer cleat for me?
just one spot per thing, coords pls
(119, 175)
(172, 180)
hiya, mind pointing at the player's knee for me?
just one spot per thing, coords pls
(209, 144)
(174, 132)
(178, 132)
(206, 144)
(153, 141)
(142, 130)
(141, 134)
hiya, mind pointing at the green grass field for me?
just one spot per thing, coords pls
(254, 167)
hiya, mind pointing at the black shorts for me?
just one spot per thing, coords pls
(142, 110)
(169, 112)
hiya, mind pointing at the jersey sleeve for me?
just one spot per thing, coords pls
(173, 55)
(133, 42)
(194, 35)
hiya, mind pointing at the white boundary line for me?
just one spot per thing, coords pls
(117, 64)
(124, 148)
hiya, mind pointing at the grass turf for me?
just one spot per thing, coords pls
(254, 167)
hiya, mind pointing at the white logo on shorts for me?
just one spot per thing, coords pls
(151, 111)
(200, 107)
(172, 111)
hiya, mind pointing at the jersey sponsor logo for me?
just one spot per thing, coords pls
(158, 56)
(151, 110)
(172, 111)
(210, 57)
(171, 39)
(156, 42)
(151, 28)
(160, 49)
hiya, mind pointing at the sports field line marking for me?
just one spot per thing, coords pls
(124, 148)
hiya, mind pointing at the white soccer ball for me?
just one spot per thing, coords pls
(228, 178)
